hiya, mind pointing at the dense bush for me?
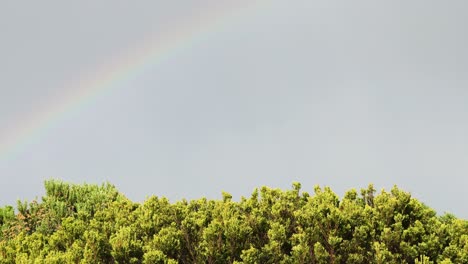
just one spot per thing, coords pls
(97, 224)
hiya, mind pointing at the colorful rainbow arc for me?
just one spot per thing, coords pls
(153, 50)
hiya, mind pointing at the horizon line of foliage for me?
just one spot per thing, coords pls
(97, 224)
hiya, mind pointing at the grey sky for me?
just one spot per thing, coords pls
(338, 93)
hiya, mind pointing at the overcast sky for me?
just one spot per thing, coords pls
(337, 93)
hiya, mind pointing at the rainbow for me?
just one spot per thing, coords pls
(104, 79)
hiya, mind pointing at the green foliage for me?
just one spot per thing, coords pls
(96, 224)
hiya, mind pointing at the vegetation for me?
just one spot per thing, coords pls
(97, 224)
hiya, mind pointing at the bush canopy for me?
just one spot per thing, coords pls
(97, 224)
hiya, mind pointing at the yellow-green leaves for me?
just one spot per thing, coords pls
(96, 224)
